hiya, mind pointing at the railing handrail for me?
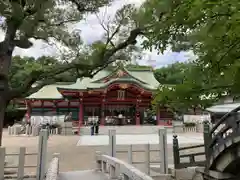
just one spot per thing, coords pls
(223, 130)
(121, 167)
(178, 164)
(223, 119)
(53, 169)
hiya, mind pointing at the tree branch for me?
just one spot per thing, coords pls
(23, 43)
(81, 7)
(87, 70)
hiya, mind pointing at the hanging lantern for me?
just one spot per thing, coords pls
(123, 86)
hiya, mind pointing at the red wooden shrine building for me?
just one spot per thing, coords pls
(111, 93)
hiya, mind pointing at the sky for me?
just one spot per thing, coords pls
(91, 31)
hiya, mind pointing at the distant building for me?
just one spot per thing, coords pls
(112, 91)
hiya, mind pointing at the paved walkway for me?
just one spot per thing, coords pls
(85, 175)
(186, 138)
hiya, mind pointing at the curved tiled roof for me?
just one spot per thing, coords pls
(142, 78)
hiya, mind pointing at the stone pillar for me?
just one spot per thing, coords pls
(102, 118)
(80, 115)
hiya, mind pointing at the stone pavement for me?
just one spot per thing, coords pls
(184, 138)
(85, 175)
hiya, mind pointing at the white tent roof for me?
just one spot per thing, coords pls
(223, 108)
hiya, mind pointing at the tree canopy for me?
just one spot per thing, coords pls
(208, 28)
(184, 86)
(48, 20)
(23, 21)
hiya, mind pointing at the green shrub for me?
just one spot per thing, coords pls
(190, 124)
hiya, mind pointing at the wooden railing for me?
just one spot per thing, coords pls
(29, 130)
(222, 135)
(119, 169)
(147, 151)
(20, 167)
(177, 155)
(21, 156)
(53, 169)
(144, 148)
(177, 151)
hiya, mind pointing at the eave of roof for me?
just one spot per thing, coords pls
(223, 108)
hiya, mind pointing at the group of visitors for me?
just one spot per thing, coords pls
(94, 127)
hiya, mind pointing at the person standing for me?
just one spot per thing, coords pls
(120, 119)
(92, 124)
(97, 127)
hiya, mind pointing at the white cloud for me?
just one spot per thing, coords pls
(91, 31)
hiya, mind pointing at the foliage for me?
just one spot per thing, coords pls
(22, 67)
(189, 124)
(208, 28)
(13, 114)
(184, 87)
(172, 74)
(50, 20)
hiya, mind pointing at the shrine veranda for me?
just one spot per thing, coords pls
(113, 92)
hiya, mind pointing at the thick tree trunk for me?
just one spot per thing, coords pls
(5, 61)
(2, 114)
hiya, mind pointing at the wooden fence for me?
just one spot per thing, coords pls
(162, 149)
(29, 130)
(21, 156)
(178, 152)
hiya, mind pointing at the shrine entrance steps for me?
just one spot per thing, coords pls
(128, 129)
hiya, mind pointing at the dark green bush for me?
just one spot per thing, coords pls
(189, 124)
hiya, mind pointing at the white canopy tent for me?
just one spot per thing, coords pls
(223, 108)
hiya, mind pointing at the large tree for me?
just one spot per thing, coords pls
(172, 74)
(208, 28)
(187, 86)
(25, 20)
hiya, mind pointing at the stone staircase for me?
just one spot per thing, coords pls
(103, 130)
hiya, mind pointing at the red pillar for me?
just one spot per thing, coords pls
(137, 112)
(102, 120)
(158, 117)
(80, 115)
(28, 114)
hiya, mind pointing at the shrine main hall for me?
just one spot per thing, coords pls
(112, 93)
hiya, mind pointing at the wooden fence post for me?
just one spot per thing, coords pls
(112, 142)
(2, 162)
(21, 162)
(57, 155)
(207, 138)
(9, 130)
(42, 154)
(162, 133)
(130, 158)
(176, 156)
(147, 159)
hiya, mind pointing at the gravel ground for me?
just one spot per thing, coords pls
(72, 157)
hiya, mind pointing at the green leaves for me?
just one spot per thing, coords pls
(209, 28)
(188, 86)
